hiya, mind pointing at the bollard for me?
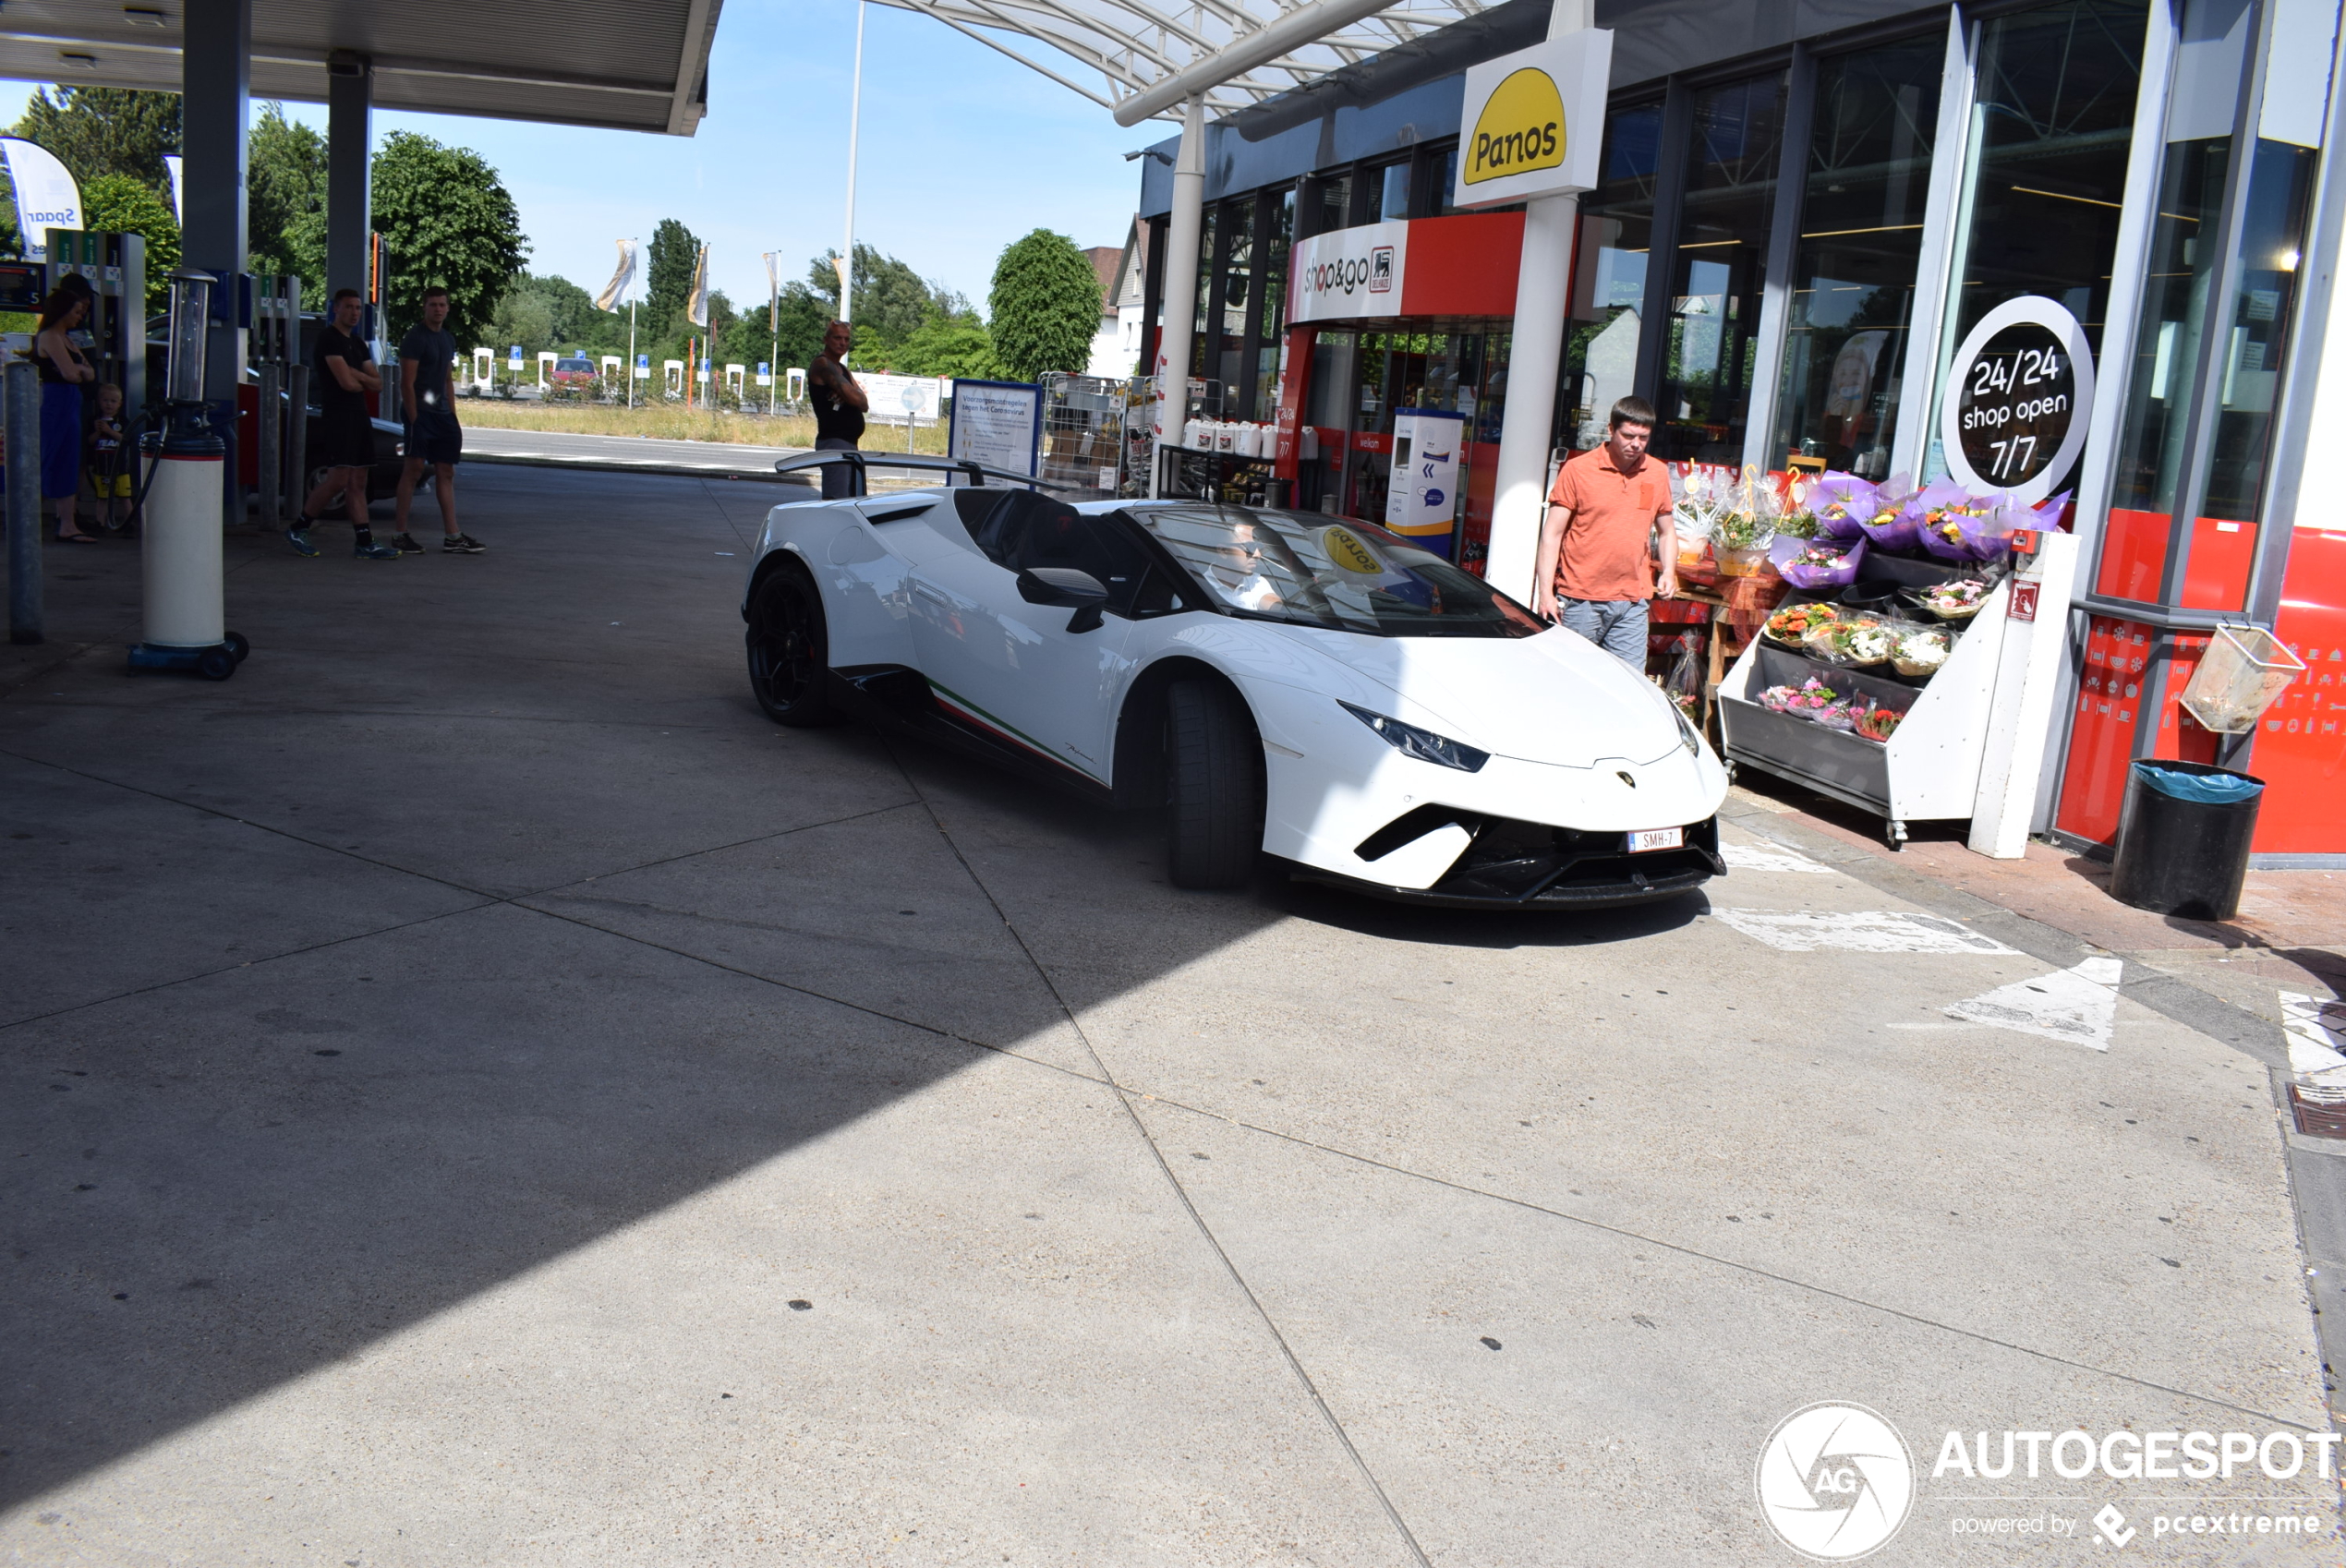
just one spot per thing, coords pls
(297, 443)
(268, 481)
(20, 407)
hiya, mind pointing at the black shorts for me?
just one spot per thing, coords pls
(436, 440)
(344, 441)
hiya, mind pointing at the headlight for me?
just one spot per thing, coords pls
(1422, 744)
(1688, 735)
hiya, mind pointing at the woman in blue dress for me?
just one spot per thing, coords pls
(64, 371)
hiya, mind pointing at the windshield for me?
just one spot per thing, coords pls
(573, 364)
(1329, 571)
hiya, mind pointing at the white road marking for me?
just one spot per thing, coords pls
(1755, 857)
(1859, 931)
(2076, 1005)
(2316, 1034)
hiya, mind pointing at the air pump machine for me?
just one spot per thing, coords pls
(181, 533)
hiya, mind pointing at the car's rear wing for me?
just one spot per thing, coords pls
(858, 463)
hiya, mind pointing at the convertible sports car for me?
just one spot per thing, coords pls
(1305, 686)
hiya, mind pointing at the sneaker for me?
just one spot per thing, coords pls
(461, 543)
(405, 544)
(373, 552)
(299, 540)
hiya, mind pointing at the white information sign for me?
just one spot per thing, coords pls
(1534, 121)
(2019, 396)
(997, 423)
(895, 399)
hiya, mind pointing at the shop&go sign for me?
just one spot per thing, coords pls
(2019, 396)
(1347, 274)
(1535, 121)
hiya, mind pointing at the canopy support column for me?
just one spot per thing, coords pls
(1173, 343)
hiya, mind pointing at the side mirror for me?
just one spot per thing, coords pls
(1066, 588)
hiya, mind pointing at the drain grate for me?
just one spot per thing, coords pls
(2320, 1112)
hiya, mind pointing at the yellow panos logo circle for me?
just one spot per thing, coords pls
(1344, 548)
(1520, 129)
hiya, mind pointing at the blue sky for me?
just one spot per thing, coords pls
(962, 152)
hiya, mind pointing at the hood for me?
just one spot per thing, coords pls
(1555, 698)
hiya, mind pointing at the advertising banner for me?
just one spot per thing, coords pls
(1534, 121)
(997, 423)
(2019, 396)
(47, 197)
(616, 290)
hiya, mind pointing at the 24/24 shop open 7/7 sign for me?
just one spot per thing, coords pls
(2019, 396)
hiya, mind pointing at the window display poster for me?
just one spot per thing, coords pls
(997, 423)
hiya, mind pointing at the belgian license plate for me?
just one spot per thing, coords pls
(1645, 838)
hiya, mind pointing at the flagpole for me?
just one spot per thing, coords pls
(854, 124)
(631, 354)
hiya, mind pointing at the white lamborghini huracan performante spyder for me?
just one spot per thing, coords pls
(1284, 683)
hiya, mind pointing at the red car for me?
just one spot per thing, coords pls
(575, 372)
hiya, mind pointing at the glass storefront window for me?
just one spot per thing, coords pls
(1334, 199)
(1853, 283)
(2264, 304)
(1238, 277)
(1721, 265)
(2174, 315)
(1441, 178)
(1272, 348)
(1201, 338)
(2050, 126)
(1609, 286)
(1386, 193)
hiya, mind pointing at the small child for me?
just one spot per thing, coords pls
(109, 460)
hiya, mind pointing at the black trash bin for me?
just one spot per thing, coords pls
(2183, 838)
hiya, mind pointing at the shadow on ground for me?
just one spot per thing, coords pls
(479, 917)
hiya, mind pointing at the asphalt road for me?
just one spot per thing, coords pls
(476, 1093)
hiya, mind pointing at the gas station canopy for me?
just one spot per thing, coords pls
(1117, 48)
(620, 64)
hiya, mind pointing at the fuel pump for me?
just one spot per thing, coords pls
(181, 537)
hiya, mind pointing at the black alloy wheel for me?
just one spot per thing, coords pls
(788, 650)
(1214, 786)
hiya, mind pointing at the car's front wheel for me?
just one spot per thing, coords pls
(789, 651)
(1214, 786)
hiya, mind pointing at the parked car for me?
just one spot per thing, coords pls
(575, 372)
(1306, 686)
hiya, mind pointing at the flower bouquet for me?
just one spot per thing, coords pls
(1919, 651)
(1877, 723)
(1961, 527)
(1807, 700)
(1793, 623)
(1958, 601)
(1743, 538)
(1894, 524)
(1840, 503)
(1864, 643)
(1840, 715)
(1825, 564)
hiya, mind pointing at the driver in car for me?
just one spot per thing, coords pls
(1237, 571)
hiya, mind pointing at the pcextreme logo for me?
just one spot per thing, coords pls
(1520, 129)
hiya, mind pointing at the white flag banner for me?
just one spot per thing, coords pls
(172, 160)
(47, 197)
(700, 289)
(609, 298)
(773, 278)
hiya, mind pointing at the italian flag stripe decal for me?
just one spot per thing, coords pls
(999, 728)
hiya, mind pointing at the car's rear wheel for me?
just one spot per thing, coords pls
(789, 652)
(1214, 786)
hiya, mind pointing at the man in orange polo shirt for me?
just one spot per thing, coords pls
(1608, 520)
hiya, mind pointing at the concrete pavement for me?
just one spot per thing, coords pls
(478, 1093)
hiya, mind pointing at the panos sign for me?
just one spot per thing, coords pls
(1535, 121)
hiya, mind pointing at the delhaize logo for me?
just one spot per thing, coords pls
(1520, 129)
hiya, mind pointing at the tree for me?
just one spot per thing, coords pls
(120, 204)
(667, 282)
(285, 200)
(948, 345)
(106, 130)
(803, 316)
(448, 222)
(1044, 309)
(891, 300)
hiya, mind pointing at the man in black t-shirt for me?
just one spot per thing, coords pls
(344, 445)
(435, 439)
(839, 405)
